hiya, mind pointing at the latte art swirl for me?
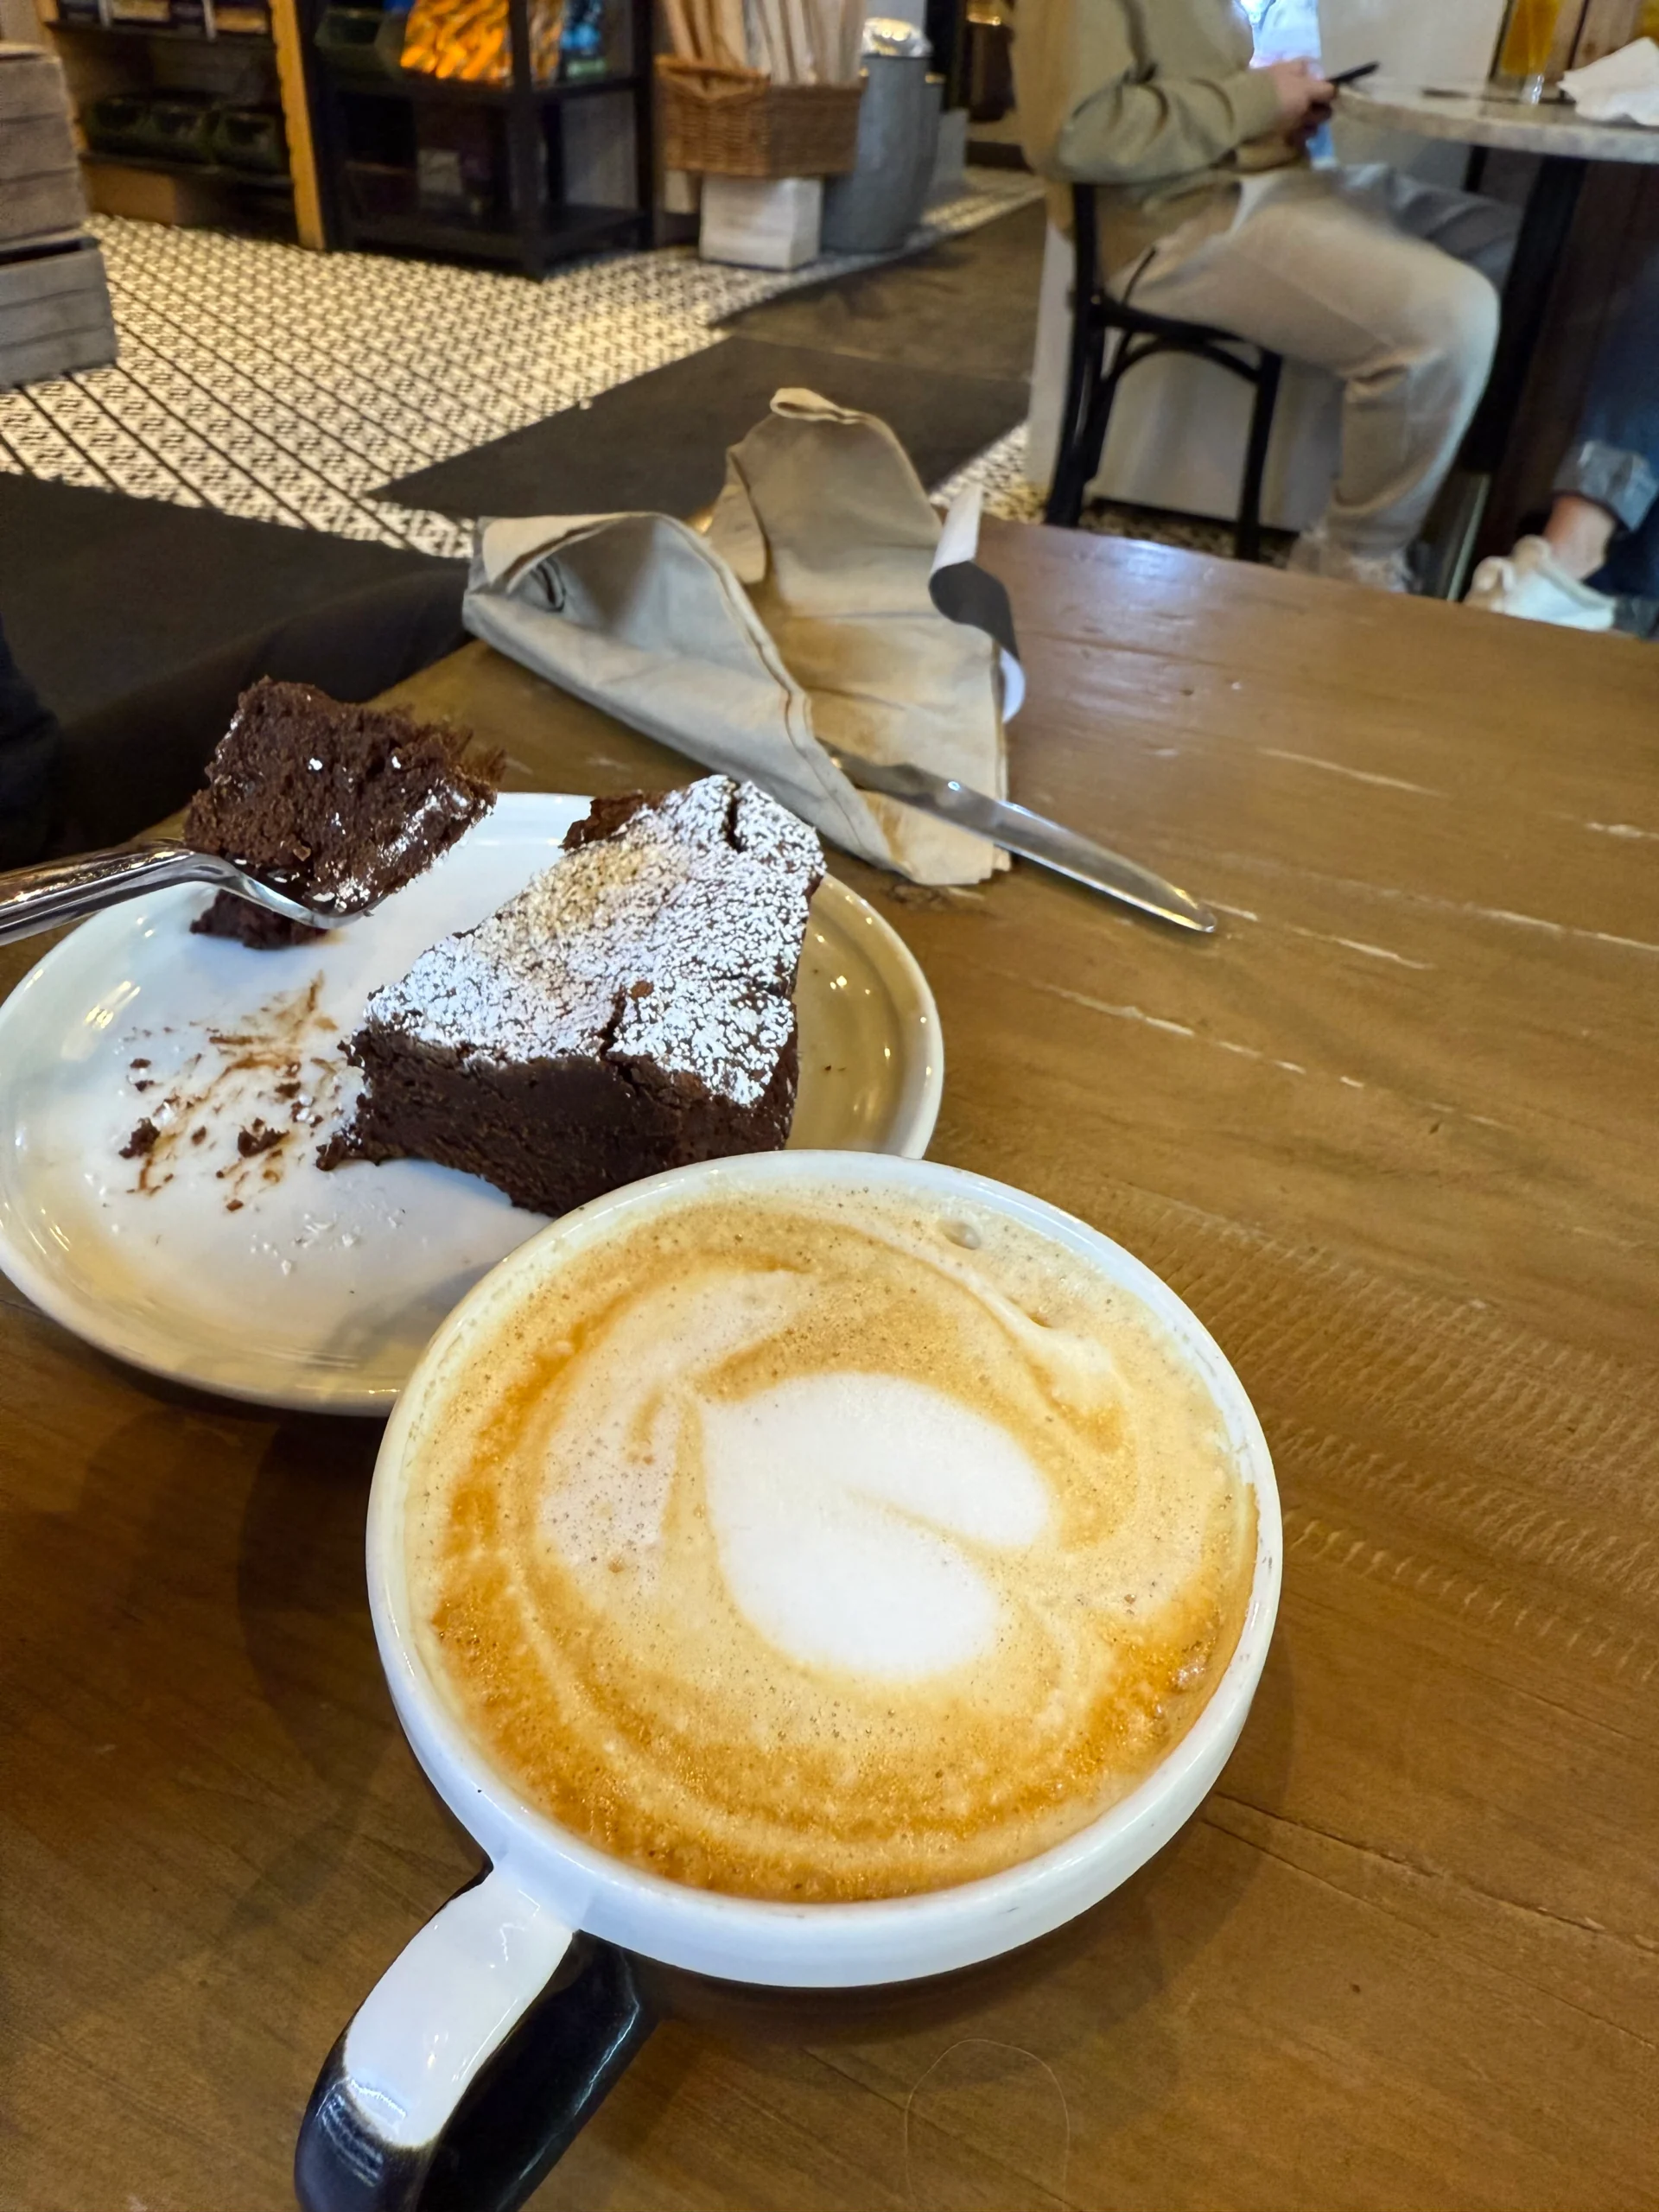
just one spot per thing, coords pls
(825, 1548)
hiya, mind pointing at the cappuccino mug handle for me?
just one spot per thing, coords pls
(472, 2063)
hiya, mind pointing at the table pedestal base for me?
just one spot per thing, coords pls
(1454, 525)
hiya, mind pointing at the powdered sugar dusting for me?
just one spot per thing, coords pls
(673, 942)
(342, 887)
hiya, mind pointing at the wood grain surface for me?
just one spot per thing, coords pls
(1391, 1134)
(288, 33)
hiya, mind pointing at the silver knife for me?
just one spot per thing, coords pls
(1031, 836)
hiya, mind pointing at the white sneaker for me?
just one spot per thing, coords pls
(1531, 582)
(1314, 554)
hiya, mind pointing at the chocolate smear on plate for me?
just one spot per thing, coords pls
(245, 1089)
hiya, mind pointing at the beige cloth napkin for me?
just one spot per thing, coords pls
(803, 613)
(1621, 87)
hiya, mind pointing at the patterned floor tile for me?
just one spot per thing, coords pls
(999, 470)
(265, 381)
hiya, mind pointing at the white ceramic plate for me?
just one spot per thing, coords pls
(259, 1275)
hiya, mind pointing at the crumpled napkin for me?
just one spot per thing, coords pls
(1621, 87)
(824, 607)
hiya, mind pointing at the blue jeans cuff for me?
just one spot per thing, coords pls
(1620, 482)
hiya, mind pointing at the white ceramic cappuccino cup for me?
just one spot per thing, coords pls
(491, 2037)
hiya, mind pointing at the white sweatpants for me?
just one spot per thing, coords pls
(1391, 283)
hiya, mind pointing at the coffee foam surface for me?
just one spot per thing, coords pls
(824, 1548)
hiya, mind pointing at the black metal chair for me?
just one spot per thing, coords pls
(1092, 386)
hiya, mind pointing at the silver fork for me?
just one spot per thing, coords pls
(34, 898)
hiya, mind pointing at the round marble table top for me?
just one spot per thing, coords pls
(1475, 118)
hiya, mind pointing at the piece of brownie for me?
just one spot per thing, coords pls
(336, 805)
(632, 1009)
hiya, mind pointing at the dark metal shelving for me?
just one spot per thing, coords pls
(414, 86)
(570, 231)
(537, 228)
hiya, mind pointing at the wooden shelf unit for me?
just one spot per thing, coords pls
(99, 57)
(199, 172)
(257, 42)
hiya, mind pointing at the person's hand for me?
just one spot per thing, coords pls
(1303, 135)
(1305, 98)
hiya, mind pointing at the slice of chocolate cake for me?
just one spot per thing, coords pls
(632, 1009)
(336, 805)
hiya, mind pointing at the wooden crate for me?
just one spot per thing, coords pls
(39, 206)
(31, 85)
(54, 315)
(35, 145)
(40, 174)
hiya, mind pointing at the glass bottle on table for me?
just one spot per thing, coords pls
(1528, 45)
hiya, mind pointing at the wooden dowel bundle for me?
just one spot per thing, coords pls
(792, 41)
(730, 34)
(760, 38)
(800, 43)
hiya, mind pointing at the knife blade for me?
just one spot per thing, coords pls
(1033, 837)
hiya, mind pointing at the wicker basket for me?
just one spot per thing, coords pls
(738, 123)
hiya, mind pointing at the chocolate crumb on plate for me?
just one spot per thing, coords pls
(257, 1139)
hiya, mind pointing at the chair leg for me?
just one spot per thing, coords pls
(1080, 463)
(1071, 479)
(1059, 489)
(1247, 535)
(1084, 356)
(1091, 439)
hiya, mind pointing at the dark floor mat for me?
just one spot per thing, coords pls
(659, 442)
(101, 593)
(940, 345)
(967, 305)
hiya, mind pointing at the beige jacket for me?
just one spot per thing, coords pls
(1152, 100)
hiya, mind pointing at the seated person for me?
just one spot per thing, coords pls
(1601, 542)
(1210, 212)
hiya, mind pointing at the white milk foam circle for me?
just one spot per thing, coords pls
(825, 1545)
(851, 1558)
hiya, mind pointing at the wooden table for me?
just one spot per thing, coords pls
(1392, 1135)
(1566, 145)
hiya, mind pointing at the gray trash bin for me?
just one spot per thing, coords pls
(877, 204)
